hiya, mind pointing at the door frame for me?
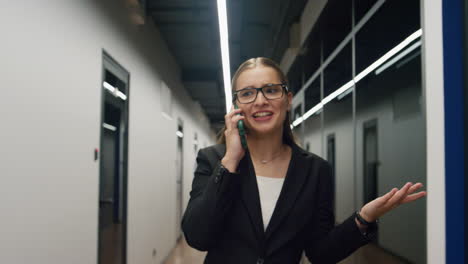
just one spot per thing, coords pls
(110, 64)
(180, 172)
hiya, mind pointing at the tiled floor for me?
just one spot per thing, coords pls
(370, 254)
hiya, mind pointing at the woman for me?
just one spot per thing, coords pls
(272, 201)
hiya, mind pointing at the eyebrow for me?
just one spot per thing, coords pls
(250, 87)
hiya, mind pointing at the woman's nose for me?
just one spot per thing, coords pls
(260, 98)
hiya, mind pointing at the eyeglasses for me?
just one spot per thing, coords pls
(270, 92)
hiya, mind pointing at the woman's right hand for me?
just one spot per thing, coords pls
(234, 150)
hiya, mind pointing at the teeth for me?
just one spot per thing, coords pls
(262, 114)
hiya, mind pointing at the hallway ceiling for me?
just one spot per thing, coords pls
(190, 28)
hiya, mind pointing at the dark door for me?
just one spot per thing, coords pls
(112, 233)
(370, 161)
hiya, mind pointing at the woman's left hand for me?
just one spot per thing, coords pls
(380, 206)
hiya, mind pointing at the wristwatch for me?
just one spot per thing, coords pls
(371, 226)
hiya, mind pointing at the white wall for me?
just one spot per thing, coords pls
(51, 59)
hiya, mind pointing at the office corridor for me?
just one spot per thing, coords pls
(110, 109)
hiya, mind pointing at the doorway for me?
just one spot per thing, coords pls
(112, 233)
(370, 161)
(179, 176)
(331, 158)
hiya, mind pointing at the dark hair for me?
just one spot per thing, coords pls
(288, 136)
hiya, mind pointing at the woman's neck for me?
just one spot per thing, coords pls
(265, 146)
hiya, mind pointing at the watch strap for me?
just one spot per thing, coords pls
(363, 221)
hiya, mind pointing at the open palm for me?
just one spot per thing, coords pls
(383, 204)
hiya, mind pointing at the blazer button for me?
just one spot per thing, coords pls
(216, 179)
(260, 261)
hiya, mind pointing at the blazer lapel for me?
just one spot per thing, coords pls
(292, 186)
(250, 196)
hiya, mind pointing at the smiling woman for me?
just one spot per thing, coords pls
(271, 200)
(242, 89)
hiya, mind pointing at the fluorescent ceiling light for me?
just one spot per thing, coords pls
(388, 55)
(180, 134)
(114, 91)
(297, 121)
(398, 57)
(309, 113)
(403, 62)
(312, 111)
(339, 91)
(345, 89)
(121, 95)
(110, 127)
(109, 87)
(224, 40)
(341, 96)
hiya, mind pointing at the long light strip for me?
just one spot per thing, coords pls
(339, 91)
(341, 96)
(312, 111)
(359, 77)
(224, 39)
(398, 57)
(388, 55)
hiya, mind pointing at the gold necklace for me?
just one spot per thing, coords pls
(274, 157)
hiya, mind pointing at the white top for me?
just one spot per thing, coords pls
(269, 190)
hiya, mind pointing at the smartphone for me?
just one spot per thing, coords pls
(240, 126)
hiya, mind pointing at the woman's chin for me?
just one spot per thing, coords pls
(263, 129)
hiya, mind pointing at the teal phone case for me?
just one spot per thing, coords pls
(240, 126)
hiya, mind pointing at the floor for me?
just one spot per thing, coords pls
(110, 236)
(369, 254)
(111, 243)
(184, 254)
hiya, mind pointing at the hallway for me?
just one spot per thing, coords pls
(108, 108)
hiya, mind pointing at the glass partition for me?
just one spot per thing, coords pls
(390, 126)
(371, 126)
(313, 125)
(338, 132)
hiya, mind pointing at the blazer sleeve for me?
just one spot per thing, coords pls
(326, 243)
(213, 191)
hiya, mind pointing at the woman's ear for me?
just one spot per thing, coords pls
(290, 101)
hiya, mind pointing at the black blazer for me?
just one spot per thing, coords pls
(224, 216)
